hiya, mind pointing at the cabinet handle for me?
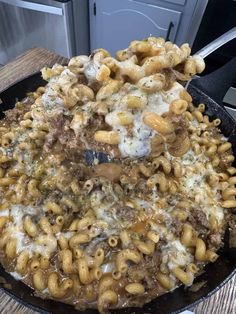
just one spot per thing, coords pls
(169, 30)
(94, 9)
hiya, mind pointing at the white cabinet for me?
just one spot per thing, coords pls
(115, 23)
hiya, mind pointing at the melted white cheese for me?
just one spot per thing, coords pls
(190, 158)
(138, 143)
(217, 212)
(108, 267)
(194, 181)
(195, 186)
(4, 213)
(67, 235)
(103, 212)
(51, 102)
(15, 230)
(175, 254)
(91, 69)
(45, 291)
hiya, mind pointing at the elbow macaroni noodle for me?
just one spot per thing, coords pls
(146, 219)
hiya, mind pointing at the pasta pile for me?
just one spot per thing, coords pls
(121, 231)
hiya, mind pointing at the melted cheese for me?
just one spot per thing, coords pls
(195, 186)
(175, 254)
(51, 101)
(4, 213)
(16, 231)
(108, 268)
(67, 234)
(103, 212)
(45, 291)
(194, 181)
(190, 158)
(217, 212)
(153, 212)
(91, 70)
(137, 143)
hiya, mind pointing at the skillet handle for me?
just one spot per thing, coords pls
(217, 43)
(217, 83)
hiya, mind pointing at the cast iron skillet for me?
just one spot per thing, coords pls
(208, 90)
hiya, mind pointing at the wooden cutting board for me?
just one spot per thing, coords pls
(222, 302)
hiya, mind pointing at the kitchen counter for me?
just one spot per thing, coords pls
(222, 302)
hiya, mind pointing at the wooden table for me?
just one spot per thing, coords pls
(222, 302)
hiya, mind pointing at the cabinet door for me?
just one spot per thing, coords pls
(115, 23)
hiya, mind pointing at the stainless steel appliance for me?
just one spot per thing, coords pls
(61, 26)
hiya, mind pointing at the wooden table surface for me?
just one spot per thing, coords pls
(222, 302)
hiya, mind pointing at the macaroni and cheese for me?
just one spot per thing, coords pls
(149, 209)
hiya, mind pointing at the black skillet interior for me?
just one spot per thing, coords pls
(215, 275)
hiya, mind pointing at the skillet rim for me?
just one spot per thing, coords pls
(190, 305)
(187, 307)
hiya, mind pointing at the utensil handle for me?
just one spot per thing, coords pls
(217, 43)
(217, 83)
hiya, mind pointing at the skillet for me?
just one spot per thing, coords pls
(210, 90)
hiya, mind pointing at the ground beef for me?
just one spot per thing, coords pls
(215, 239)
(136, 273)
(67, 138)
(224, 163)
(199, 220)
(213, 132)
(232, 222)
(129, 130)
(125, 214)
(13, 114)
(50, 140)
(146, 270)
(179, 121)
(176, 227)
(95, 86)
(56, 128)
(103, 245)
(232, 237)
(17, 113)
(152, 262)
(82, 79)
(175, 198)
(142, 186)
(98, 124)
(60, 131)
(6, 165)
(170, 78)
(82, 172)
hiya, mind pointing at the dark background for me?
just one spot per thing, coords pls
(219, 17)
